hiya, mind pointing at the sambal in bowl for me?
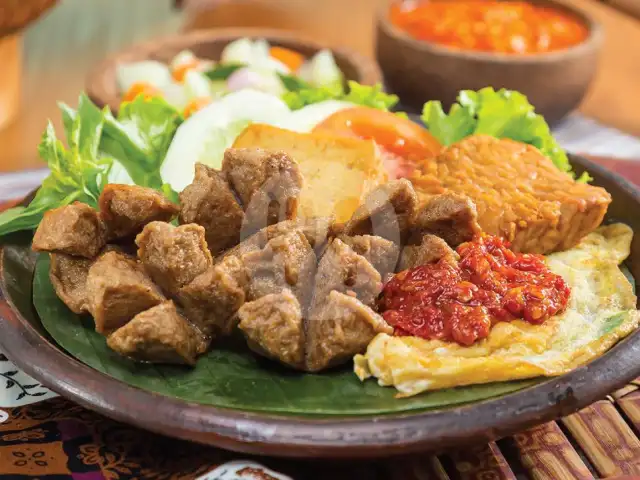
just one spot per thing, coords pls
(430, 50)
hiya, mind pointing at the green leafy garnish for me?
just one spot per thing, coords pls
(140, 137)
(308, 96)
(368, 96)
(138, 140)
(223, 72)
(293, 83)
(78, 172)
(613, 322)
(365, 95)
(170, 193)
(502, 114)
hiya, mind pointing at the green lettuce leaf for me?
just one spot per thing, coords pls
(140, 137)
(293, 83)
(78, 172)
(370, 96)
(365, 95)
(502, 114)
(137, 140)
(223, 71)
(307, 96)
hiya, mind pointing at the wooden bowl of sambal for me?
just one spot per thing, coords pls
(430, 50)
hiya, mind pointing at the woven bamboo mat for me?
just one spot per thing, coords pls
(600, 441)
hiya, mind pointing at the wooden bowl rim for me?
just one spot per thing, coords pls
(34, 12)
(101, 84)
(591, 43)
(332, 437)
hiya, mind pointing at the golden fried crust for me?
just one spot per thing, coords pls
(209, 202)
(268, 184)
(159, 335)
(74, 229)
(519, 193)
(126, 209)
(173, 256)
(68, 276)
(117, 289)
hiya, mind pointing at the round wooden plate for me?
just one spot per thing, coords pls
(25, 341)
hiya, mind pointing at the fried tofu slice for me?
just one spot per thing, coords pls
(210, 202)
(74, 229)
(268, 184)
(126, 209)
(212, 299)
(68, 276)
(173, 256)
(117, 290)
(519, 193)
(386, 212)
(338, 171)
(159, 335)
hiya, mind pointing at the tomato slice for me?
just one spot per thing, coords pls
(404, 143)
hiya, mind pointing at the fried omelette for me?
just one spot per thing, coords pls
(601, 311)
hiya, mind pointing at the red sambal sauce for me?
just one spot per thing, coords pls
(461, 301)
(511, 27)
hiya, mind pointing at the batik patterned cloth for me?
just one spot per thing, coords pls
(46, 437)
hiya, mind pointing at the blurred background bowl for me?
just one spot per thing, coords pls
(554, 82)
(102, 87)
(17, 14)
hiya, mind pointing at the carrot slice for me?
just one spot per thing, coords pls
(290, 58)
(140, 88)
(181, 70)
(194, 105)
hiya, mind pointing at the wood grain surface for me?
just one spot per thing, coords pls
(62, 47)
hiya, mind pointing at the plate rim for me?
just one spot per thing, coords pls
(314, 437)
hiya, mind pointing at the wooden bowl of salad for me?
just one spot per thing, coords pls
(192, 68)
(543, 48)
